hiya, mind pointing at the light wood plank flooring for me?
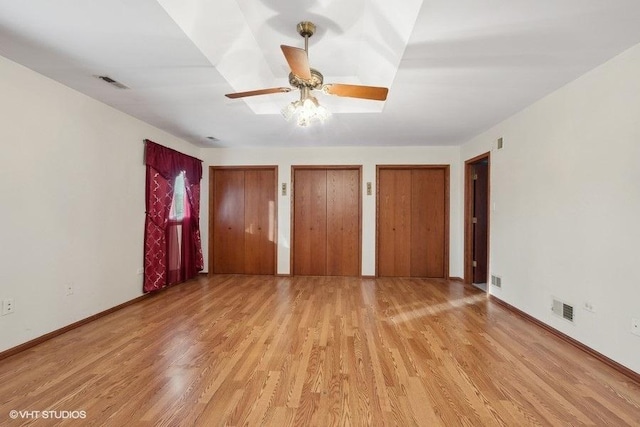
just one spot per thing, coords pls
(251, 350)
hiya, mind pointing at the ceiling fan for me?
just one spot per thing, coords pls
(306, 79)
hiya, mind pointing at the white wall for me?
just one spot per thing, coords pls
(566, 188)
(368, 157)
(72, 203)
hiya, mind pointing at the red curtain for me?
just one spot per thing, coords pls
(158, 202)
(163, 166)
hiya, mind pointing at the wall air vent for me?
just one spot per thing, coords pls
(496, 281)
(562, 309)
(500, 143)
(112, 82)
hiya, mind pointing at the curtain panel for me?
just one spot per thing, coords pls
(163, 166)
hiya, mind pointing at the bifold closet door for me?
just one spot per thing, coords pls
(244, 220)
(428, 222)
(394, 223)
(228, 232)
(310, 222)
(343, 222)
(259, 221)
(326, 222)
(412, 221)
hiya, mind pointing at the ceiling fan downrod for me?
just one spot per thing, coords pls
(306, 30)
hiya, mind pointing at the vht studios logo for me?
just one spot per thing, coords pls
(54, 415)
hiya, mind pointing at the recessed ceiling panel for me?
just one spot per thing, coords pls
(356, 42)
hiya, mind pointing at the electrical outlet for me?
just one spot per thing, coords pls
(8, 306)
(589, 307)
(635, 326)
(69, 288)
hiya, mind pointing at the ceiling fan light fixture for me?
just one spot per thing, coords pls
(306, 112)
(290, 110)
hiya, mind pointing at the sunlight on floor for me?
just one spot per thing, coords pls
(436, 309)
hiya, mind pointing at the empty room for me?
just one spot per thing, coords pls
(317, 213)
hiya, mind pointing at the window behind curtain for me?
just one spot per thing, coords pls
(177, 211)
(175, 229)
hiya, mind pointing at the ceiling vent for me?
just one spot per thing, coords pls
(112, 82)
(562, 309)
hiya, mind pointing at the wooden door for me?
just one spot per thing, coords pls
(228, 232)
(480, 221)
(259, 200)
(326, 221)
(343, 222)
(412, 229)
(243, 220)
(476, 208)
(310, 222)
(394, 222)
(428, 222)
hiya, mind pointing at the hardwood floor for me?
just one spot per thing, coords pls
(261, 350)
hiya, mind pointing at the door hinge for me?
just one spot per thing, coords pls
(475, 264)
(475, 220)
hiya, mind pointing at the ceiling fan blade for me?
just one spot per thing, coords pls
(356, 91)
(258, 92)
(298, 61)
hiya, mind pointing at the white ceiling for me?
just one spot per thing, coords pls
(454, 67)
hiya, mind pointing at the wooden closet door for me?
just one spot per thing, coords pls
(259, 212)
(310, 222)
(228, 230)
(394, 222)
(343, 222)
(428, 222)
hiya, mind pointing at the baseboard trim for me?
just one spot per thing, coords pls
(601, 357)
(456, 279)
(34, 342)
